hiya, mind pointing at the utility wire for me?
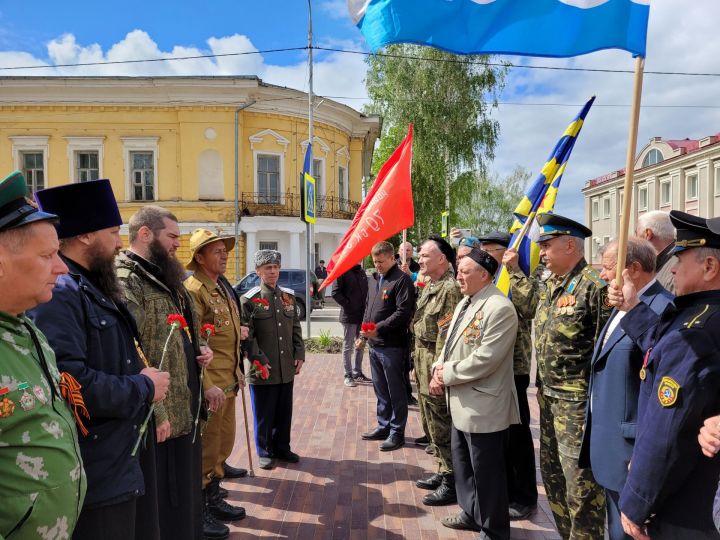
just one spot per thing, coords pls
(458, 60)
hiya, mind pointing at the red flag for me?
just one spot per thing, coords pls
(387, 210)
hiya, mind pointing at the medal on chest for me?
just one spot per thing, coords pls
(7, 406)
(27, 400)
(643, 371)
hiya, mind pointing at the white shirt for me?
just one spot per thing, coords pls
(620, 314)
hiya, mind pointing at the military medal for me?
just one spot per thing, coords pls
(643, 371)
(7, 407)
(39, 394)
(27, 400)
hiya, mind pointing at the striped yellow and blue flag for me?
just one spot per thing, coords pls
(540, 198)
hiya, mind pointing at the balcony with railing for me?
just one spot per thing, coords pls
(288, 204)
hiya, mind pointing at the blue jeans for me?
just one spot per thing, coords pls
(387, 365)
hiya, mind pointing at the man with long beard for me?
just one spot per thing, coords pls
(153, 287)
(96, 341)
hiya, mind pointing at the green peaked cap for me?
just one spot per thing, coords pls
(15, 209)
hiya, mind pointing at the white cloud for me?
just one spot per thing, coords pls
(336, 9)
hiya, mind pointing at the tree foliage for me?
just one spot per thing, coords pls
(491, 202)
(448, 98)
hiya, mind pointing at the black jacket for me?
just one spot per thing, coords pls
(391, 307)
(350, 292)
(93, 339)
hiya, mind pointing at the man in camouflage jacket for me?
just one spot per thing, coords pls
(569, 311)
(435, 306)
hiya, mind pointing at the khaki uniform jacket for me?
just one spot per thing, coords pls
(478, 364)
(275, 335)
(214, 305)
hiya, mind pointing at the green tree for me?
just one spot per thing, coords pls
(491, 202)
(448, 98)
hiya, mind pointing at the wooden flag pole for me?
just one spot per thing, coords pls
(402, 251)
(629, 169)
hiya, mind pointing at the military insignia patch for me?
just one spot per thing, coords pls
(668, 391)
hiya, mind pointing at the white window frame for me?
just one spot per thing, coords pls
(643, 207)
(344, 189)
(256, 180)
(606, 206)
(621, 201)
(31, 143)
(323, 177)
(76, 145)
(666, 182)
(140, 144)
(688, 176)
(595, 209)
(716, 179)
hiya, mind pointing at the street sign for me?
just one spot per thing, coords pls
(307, 195)
(445, 228)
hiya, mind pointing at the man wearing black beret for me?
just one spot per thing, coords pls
(96, 341)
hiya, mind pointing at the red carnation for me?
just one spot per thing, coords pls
(368, 326)
(208, 329)
(421, 284)
(261, 301)
(176, 320)
(259, 370)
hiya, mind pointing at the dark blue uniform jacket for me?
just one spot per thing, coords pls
(93, 340)
(669, 476)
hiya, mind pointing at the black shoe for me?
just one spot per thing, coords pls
(266, 463)
(431, 483)
(443, 495)
(393, 442)
(377, 434)
(360, 377)
(218, 508)
(460, 522)
(233, 472)
(422, 441)
(520, 511)
(289, 457)
(223, 492)
(412, 402)
(212, 528)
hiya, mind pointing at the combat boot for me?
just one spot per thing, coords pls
(212, 528)
(218, 507)
(443, 495)
(431, 483)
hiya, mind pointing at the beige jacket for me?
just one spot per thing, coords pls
(478, 366)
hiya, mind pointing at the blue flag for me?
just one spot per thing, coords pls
(556, 28)
(307, 165)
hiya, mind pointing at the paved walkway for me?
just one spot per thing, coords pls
(344, 487)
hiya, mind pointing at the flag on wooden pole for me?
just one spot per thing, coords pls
(387, 209)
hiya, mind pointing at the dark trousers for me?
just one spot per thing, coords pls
(520, 457)
(614, 525)
(387, 365)
(480, 482)
(179, 467)
(112, 522)
(408, 369)
(272, 408)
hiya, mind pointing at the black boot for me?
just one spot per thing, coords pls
(431, 483)
(218, 507)
(443, 495)
(212, 528)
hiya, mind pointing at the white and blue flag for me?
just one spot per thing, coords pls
(558, 28)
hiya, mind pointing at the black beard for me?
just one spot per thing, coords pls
(172, 272)
(102, 273)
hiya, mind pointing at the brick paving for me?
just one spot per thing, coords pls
(344, 487)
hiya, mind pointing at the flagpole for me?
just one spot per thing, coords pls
(630, 168)
(308, 284)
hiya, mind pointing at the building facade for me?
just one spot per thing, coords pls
(195, 145)
(669, 175)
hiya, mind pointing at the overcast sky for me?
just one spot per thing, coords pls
(536, 105)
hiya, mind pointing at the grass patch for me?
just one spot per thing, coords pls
(324, 343)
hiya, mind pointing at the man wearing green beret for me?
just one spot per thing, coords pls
(570, 310)
(44, 482)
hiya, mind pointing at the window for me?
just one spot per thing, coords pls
(642, 198)
(665, 192)
(268, 176)
(622, 202)
(653, 156)
(606, 207)
(342, 187)
(317, 173)
(33, 170)
(691, 187)
(142, 174)
(595, 210)
(86, 166)
(269, 245)
(717, 179)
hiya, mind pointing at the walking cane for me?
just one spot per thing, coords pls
(251, 473)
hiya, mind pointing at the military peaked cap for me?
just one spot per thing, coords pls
(501, 238)
(552, 225)
(16, 209)
(694, 231)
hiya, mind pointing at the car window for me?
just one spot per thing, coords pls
(298, 278)
(284, 279)
(249, 281)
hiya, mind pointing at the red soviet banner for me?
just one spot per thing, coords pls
(387, 209)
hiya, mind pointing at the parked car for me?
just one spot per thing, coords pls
(290, 278)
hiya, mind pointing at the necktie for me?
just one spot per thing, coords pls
(456, 326)
(380, 282)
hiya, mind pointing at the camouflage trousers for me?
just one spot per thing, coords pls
(439, 426)
(576, 500)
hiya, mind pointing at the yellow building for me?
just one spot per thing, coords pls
(195, 145)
